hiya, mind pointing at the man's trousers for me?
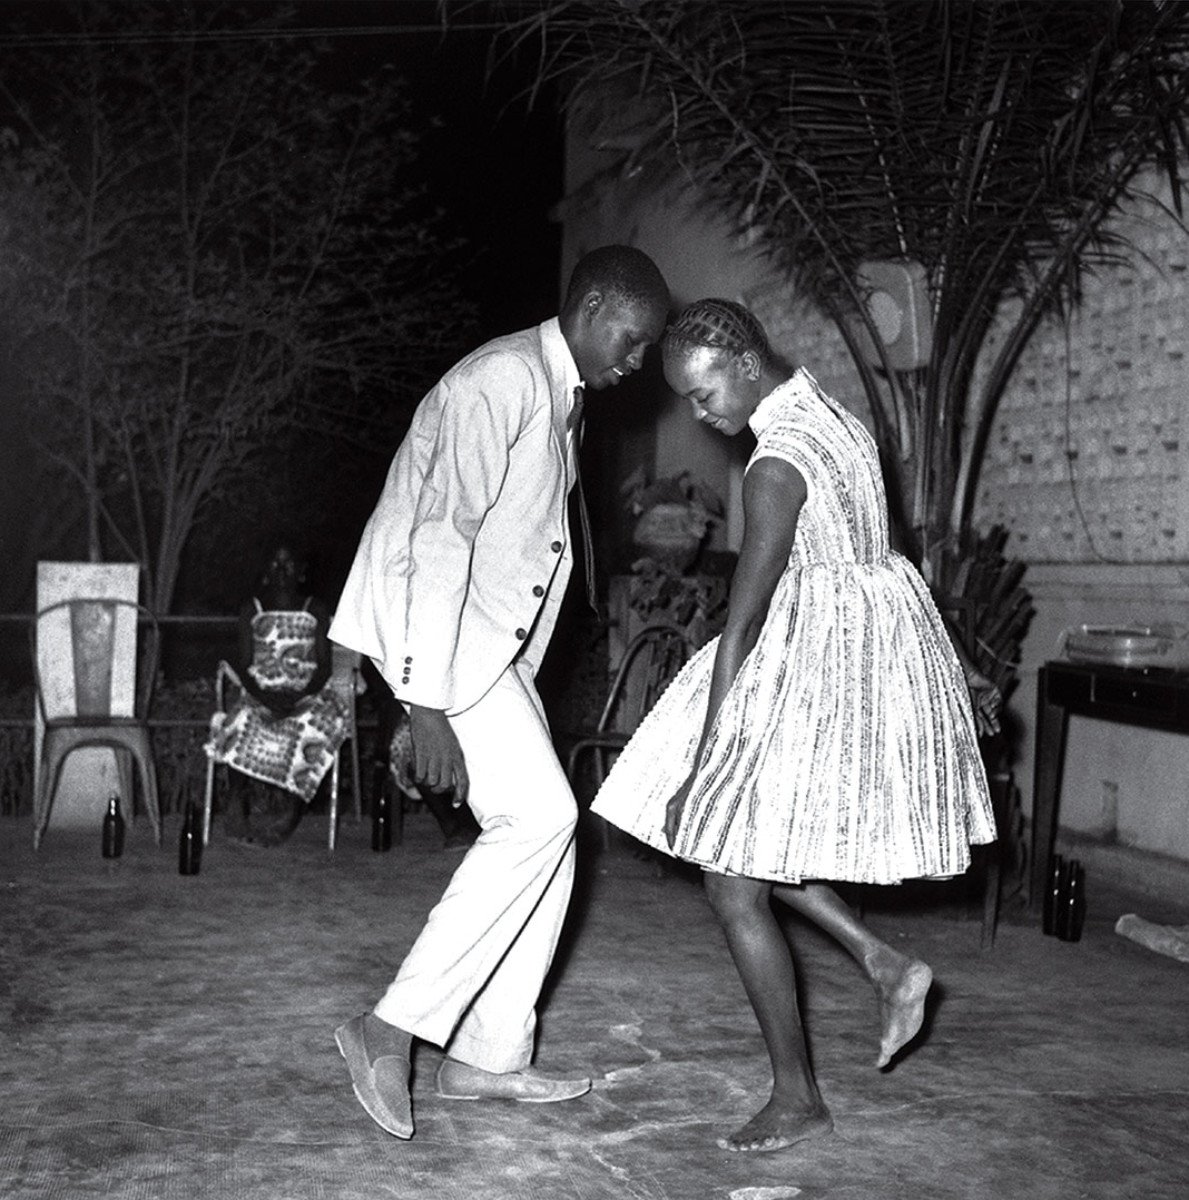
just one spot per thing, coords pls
(471, 980)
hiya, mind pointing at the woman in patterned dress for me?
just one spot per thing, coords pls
(828, 734)
(285, 727)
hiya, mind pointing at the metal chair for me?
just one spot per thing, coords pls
(345, 679)
(91, 625)
(650, 661)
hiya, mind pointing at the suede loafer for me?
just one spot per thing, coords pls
(377, 1055)
(459, 1081)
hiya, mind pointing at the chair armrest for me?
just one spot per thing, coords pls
(224, 674)
(596, 741)
(610, 740)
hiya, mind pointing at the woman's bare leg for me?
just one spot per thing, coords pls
(795, 1110)
(901, 983)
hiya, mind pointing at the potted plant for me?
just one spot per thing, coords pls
(671, 519)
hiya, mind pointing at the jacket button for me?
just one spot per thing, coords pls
(538, 590)
(409, 659)
(555, 547)
(521, 634)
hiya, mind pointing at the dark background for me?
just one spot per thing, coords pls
(489, 161)
(492, 162)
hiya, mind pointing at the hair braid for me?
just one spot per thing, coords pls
(719, 324)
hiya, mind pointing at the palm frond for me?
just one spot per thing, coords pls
(989, 140)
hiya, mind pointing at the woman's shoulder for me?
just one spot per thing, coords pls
(778, 425)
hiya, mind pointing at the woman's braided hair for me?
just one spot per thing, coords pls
(719, 324)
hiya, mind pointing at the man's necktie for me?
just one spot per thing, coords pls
(574, 424)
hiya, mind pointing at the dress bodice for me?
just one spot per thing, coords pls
(844, 518)
(284, 648)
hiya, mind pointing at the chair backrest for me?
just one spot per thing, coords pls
(650, 661)
(92, 625)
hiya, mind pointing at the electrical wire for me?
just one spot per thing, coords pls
(1069, 453)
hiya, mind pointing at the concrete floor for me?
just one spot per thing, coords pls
(172, 1037)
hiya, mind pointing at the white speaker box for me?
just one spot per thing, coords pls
(897, 301)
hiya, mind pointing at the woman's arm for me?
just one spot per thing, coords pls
(322, 648)
(773, 494)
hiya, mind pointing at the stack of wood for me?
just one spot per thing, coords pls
(992, 611)
(986, 587)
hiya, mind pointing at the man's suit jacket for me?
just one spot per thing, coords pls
(463, 564)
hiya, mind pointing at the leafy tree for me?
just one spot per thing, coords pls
(989, 141)
(207, 246)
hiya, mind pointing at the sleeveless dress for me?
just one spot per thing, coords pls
(845, 749)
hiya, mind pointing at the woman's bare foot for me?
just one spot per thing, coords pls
(778, 1124)
(901, 984)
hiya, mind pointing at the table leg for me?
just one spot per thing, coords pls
(1052, 720)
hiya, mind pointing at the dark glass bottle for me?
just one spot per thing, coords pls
(381, 810)
(1052, 896)
(1073, 904)
(113, 828)
(190, 844)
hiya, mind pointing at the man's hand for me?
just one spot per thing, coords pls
(673, 811)
(987, 701)
(437, 757)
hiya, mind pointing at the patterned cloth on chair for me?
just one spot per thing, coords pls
(294, 751)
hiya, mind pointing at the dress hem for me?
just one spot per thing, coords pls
(809, 876)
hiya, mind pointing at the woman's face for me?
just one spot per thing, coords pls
(722, 388)
(282, 569)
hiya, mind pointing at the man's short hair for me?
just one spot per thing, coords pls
(621, 271)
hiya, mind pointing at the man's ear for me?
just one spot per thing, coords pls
(591, 303)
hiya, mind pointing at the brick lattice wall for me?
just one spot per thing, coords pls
(1094, 421)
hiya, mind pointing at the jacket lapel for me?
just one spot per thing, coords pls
(553, 356)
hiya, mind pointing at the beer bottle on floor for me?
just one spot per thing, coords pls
(1073, 904)
(190, 845)
(113, 828)
(381, 809)
(1053, 892)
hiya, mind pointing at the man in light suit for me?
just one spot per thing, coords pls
(454, 593)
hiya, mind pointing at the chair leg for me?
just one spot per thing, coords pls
(356, 790)
(38, 799)
(148, 778)
(124, 773)
(53, 757)
(600, 776)
(1001, 786)
(400, 804)
(600, 773)
(334, 803)
(208, 799)
(991, 888)
(41, 799)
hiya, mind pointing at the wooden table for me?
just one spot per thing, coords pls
(1153, 697)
